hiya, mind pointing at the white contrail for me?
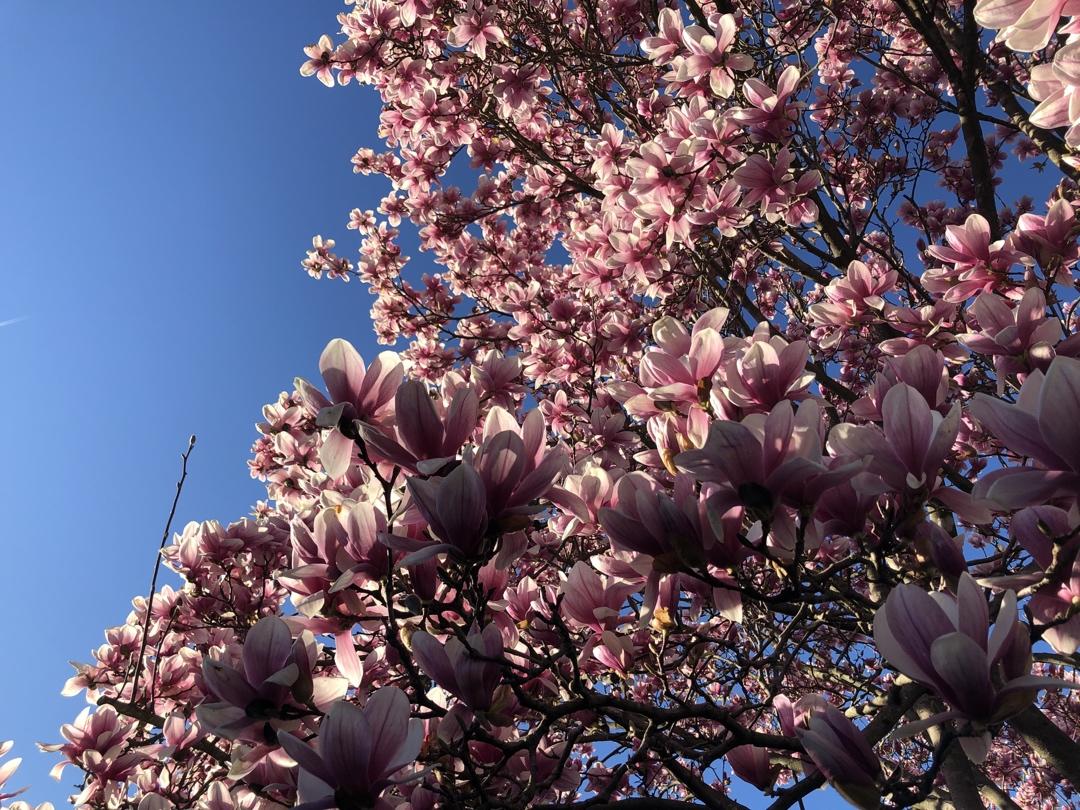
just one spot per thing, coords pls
(12, 321)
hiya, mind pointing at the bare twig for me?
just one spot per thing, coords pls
(157, 563)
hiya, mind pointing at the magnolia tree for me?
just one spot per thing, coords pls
(733, 450)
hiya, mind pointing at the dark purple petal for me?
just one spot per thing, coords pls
(345, 743)
(227, 684)
(963, 675)
(418, 424)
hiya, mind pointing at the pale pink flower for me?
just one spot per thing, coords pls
(7, 770)
(767, 372)
(320, 61)
(593, 600)
(669, 41)
(274, 670)
(910, 448)
(842, 754)
(765, 461)
(973, 262)
(771, 116)
(1048, 533)
(773, 185)
(1026, 25)
(1020, 338)
(711, 56)
(1050, 239)
(356, 393)
(476, 30)
(855, 297)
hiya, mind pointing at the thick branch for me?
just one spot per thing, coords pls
(1049, 742)
(148, 717)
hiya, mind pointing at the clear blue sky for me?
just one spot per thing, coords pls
(164, 168)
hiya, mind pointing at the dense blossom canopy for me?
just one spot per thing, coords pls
(734, 447)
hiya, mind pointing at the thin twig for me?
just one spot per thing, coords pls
(157, 564)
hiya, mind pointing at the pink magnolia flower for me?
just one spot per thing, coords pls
(909, 449)
(517, 87)
(615, 651)
(1034, 427)
(658, 173)
(1020, 339)
(425, 440)
(753, 764)
(769, 371)
(476, 30)
(843, 510)
(7, 770)
(360, 750)
(469, 670)
(941, 641)
(842, 754)
(1041, 530)
(675, 370)
(771, 115)
(711, 56)
(669, 41)
(1055, 86)
(720, 208)
(922, 368)
(1026, 25)
(320, 61)
(854, 297)
(97, 743)
(929, 325)
(676, 532)
(341, 550)
(610, 150)
(974, 263)
(1049, 239)
(356, 393)
(773, 185)
(275, 670)
(593, 600)
(515, 464)
(581, 496)
(455, 508)
(765, 461)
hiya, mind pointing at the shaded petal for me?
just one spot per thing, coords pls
(343, 370)
(227, 684)
(973, 615)
(433, 660)
(908, 426)
(305, 757)
(1013, 426)
(387, 713)
(335, 454)
(266, 649)
(906, 627)
(418, 424)
(731, 453)
(461, 420)
(345, 742)
(963, 674)
(1059, 409)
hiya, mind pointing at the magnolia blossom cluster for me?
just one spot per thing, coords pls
(733, 442)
